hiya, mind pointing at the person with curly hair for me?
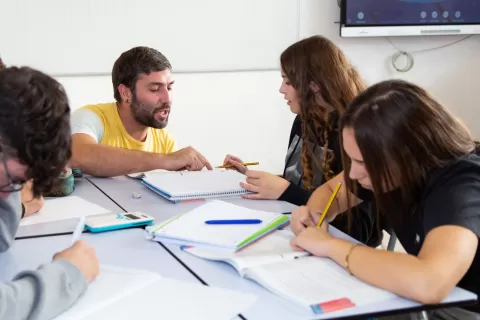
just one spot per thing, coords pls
(318, 84)
(35, 142)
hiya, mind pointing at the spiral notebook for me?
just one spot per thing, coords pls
(191, 185)
(190, 229)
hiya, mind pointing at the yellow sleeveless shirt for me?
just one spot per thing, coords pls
(115, 135)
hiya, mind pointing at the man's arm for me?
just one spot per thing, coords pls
(42, 294)
(105, 161)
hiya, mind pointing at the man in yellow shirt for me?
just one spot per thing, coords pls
(128, 135)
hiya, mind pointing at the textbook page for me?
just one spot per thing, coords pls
(270, 249)
(62, 209)
(313, 281)
(120, 293)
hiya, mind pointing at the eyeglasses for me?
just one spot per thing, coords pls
(11, 186)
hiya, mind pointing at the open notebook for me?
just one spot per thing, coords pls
(318, 284)
(190, 228)
(120, 293)
(191, 185)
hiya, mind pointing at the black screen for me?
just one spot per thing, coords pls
(411, 12)
(131, 216)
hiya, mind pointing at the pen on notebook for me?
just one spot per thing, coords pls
(237, 221)
(78, 230)
(246, 164)
(324, 214)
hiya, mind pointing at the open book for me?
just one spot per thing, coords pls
(191, 228)
(179, 186)
(318, 284)
(120, 293)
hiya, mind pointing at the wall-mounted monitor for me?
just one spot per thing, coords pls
(380, 18)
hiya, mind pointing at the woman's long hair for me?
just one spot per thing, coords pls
(403, 135)
(326, 83)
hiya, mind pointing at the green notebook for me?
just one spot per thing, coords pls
(190, 229)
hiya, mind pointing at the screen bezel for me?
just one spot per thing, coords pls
(384, 30)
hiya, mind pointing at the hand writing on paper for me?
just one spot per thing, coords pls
(302, 218)
(315, 240)
(264, 184)
(83, 257)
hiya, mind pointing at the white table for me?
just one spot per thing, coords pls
(120, 189)
(83, 189)
(126, 248)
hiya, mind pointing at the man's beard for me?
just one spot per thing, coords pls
(146, 117)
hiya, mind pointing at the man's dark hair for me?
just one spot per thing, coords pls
(2, 65)
(134, 62)
(35, 124)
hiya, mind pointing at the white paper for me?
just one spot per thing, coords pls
(120, 293)
(192, 227)
(313, 280)
(270, 249)
(62, 209)
(194, 183)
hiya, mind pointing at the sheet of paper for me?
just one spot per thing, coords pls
(191, 226)
(271, 249)
(62, 209)
(312, 280)
(133, 294)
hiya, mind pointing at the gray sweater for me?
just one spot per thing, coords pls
(40, 294)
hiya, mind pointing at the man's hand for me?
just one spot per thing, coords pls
(186, 159)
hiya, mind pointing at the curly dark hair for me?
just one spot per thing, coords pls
(35, 124)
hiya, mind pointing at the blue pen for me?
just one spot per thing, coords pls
(240, 221)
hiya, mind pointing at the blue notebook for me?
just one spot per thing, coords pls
(192, 185)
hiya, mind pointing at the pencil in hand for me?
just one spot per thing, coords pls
(246, 164)
(327, 207)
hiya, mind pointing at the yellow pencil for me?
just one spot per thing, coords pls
(244, 164)
(324, 214)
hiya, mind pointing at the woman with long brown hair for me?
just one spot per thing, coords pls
(318, 84)
(407, 154)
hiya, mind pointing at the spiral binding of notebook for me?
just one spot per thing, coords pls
(184, 186)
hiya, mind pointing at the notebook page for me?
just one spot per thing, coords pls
(274, 248)
(62, 209)
(120, 293)
(191, 183)
(191, 226)
(173, 299)
(111, 284)
(311, 281)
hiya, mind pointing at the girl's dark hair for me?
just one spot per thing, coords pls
(316, 62)
(403, 135)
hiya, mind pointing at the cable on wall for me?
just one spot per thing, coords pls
(410, 61)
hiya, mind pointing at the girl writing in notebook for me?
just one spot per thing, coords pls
(318, 82)
(404, 152)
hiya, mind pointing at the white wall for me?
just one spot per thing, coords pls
(243, 113)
